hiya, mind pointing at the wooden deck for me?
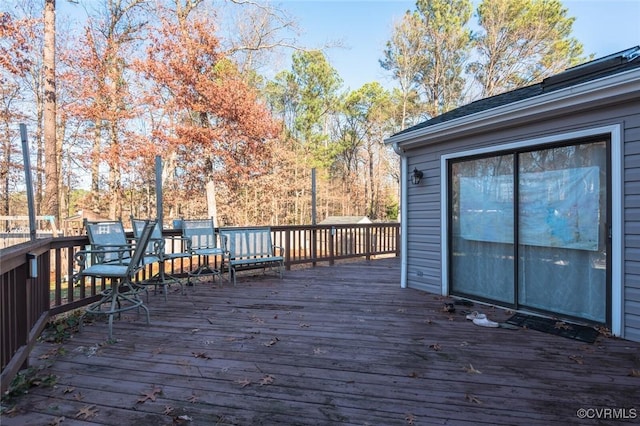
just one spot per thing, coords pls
(331, 345)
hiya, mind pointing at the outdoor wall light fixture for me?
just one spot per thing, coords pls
(33, 265)
(416, 177)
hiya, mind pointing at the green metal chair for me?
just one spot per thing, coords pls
(203, 240)
(119, 265)
(157, 246)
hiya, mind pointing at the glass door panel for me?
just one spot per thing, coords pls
(562, 237)
(482, 256)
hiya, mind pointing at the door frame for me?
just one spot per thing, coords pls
(616, 177)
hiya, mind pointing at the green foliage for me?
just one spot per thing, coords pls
(61, 327)
(522, 42)
(392, 210)
(27, 379)
(317, 84)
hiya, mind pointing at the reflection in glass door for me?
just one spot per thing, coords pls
(482, 240)
(562, 237)
(547, 208)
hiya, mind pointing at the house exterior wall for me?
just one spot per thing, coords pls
(425, 211)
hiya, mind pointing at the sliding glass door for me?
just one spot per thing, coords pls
(529, 229)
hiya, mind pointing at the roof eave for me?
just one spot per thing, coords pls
(575, 97)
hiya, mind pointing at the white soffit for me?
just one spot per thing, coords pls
(616, 86)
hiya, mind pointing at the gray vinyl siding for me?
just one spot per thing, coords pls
(631, 185)
(424, 263)
(423, 220)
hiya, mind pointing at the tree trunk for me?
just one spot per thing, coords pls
(95, 169)
(211, 202)
(50, 202)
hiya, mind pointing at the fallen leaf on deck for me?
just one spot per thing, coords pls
(257, 320)
(192, 399)
(78, 397)
(68, 389)
(577, 359)
(57, 421)
(410, 418)
(272, 342)
(201, 355)
(472, 398)
(561, 325)
(195, 330)
(243, 383)
(167, 410)
(87, 412)
(318, 351)
(49, 354)
(303, 325)
(634, 373)
(471, 370)
(267, 380)
(182, 419)
(436, 347)
(150, 395)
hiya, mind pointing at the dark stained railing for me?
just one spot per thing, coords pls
(36, 277)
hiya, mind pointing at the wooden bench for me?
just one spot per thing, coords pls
(251, 248)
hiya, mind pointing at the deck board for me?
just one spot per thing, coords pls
(331, 345)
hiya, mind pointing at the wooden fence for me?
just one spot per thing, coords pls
(36, 277)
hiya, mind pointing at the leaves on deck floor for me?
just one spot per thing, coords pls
(410, 419)
(57, 421)
(87, 412)
(267, 380)
(577, 359)
(244, 382)
(435, 346)
(634, 373)
(201, 355)
(149, 395)
(271, 342)
(472, 398)
(469, 369)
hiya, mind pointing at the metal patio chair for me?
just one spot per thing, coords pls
(203, 240)
(157, 246)
(118, 264)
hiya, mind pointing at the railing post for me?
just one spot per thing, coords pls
(287, 250)
(367, 241)
(314, 244)
(332, 234)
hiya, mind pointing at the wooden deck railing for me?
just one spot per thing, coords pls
(36, 277)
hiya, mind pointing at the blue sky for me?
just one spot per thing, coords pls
(603, 27)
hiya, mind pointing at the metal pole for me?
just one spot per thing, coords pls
(313, 197)
(159, 207)
(27, 181)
